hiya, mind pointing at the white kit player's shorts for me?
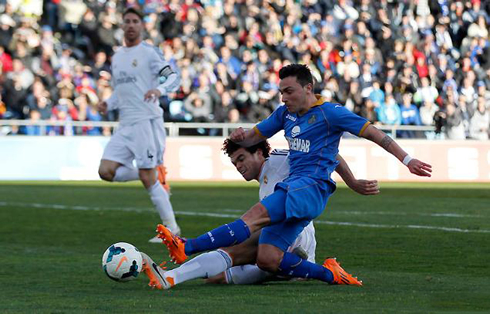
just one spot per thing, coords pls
(250, 274)
(143, 141)
(306, 240)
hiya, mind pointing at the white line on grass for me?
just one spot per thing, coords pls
(218, 215)
(450, 215)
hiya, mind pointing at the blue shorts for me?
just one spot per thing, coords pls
(294, 203)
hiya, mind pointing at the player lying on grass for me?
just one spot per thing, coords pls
(313, 128)
(254, 163)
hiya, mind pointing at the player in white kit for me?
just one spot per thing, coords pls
(254, 163)
(140, 75)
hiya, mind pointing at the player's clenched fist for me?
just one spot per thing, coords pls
(238, 135)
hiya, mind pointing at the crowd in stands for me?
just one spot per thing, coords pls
(395, 62)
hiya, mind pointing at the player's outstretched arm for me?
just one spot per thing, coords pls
(246, 138)
(363, 187)
(415, 166)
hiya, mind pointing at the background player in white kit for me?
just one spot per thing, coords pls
(140, 75)
(254, 163)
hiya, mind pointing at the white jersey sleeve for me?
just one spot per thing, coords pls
(169, 79)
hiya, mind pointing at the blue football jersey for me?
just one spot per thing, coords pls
(313, 137)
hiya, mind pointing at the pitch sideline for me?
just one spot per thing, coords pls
(218, 215)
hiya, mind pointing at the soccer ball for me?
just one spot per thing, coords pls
(122, 262)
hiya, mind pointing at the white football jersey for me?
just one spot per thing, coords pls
(275, 170)
(136, 70)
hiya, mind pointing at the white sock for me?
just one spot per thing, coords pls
(202, 266)
(161, 200)
(246, 275)
(124, 173)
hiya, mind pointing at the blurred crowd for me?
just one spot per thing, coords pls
(406, 62)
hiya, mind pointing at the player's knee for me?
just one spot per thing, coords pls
(106, 174)
(147, 177)
(256, 217)
(268, 263)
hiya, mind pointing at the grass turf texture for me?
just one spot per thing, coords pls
(53, 234)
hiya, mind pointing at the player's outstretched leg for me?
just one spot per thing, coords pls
(223, 236)
(202, 266)
(155, 273)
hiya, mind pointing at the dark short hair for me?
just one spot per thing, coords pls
(229, 147)
(134, 11)
(300, 71)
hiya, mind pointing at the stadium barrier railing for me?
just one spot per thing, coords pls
(175, 129)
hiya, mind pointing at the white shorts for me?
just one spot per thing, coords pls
(250, 274)
(143, 141)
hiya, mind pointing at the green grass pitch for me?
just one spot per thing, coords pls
(419, 248)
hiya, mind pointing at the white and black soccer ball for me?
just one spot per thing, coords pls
(122, 262)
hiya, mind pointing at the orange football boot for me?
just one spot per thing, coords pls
(156, 274)
(175, 244)
(340, 276)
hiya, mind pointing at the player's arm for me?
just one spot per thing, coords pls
(364, 187)
(261, 131)
(415, 166)
(248, 137)
(170, 83)
(169, 79)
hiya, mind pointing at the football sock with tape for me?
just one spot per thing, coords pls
(224, 236)
(294, 266)
(203, 266)
(246, 275)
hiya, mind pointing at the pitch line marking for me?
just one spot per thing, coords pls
(218, 215)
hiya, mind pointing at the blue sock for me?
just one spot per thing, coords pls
(224, 236)
(294, 266)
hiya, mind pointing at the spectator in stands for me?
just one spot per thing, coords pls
(466, 112)
(199, 106)
(15, 98)
(455, 129)
(389, 112)
(409, 116)
(480, 122)
(427, 117)
(425, 92)
(434, 51)
(34, 116)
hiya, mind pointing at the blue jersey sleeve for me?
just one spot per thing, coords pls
(341, 119)
(273, 124)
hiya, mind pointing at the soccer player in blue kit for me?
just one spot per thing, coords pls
(313, 129)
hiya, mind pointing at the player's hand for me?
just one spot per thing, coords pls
(102, 107)
(238, 135)
(365, 187)
(419, 168)
(152, 95)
